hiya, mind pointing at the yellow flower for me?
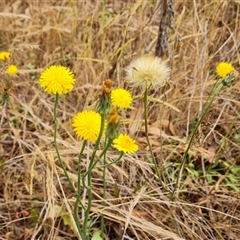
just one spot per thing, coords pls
(147, 71)
(125, 144)
(223, 69)
(4, 56)
(121, 98)
(12, 69)
(57, 79)
(87, 125)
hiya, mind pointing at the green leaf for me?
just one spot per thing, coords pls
(236, 137)
(234, 170)
(58, 211)
(30, 66)
(67, 221)
(97, 236)
(233, 186)
(34, 215)
(116, 190)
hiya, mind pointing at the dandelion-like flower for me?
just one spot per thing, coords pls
(12, 69)
(147, 71)
(57, 79)
(87, 125)
(4, 56)
(124, 143)
(121, 98)
(223, 69)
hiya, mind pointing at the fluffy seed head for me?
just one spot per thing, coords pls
(147, 71)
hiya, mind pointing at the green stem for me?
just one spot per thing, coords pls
(103, 117)
(79, 174)
(99, 158)
(56, 145)
(104, 194)
(215, 90)
(76, 216)
(89, 179)
(111, 163)
(60, 159)
(146, 131)
(86, 225)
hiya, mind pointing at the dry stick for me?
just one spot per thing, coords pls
(165, 22)
(161, 51)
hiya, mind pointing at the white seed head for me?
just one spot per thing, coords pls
(147, 71)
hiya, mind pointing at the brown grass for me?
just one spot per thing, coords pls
(97, 40)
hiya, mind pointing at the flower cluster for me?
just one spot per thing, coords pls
(4, 56)
(11, 69)
(87, 124)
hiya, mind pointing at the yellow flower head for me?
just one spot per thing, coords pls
(147, 71)
(223, 69)
(12, 69)
(4, 56)
(87, 125)
(126, 144)
(57, 79)
(121, 98)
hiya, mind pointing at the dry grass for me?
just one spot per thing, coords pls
(97, 40)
